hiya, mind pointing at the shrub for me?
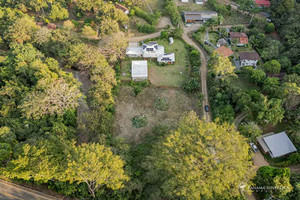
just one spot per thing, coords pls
(161, 104)
(139, 121)
(269, 28)
(138, 86)
(192, 85)
(146, 28)
(164, 35)
(150, 18)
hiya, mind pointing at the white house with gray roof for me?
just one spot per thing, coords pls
(167, 58)
(198, 16)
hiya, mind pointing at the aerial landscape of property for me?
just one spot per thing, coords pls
(150, 99)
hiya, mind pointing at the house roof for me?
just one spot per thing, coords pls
(134, 51)
(167, 57)
(221, 42)
(262, 142)
(139, 68)
(197, 15)
(121, 7)
(249, 56)
(222, 50)
(266, 3)
(237, 35)
(279, 144)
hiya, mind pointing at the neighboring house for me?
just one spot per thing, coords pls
(123, 8)
(167, 58)
(152, 50)
(279, 76)
(184, 1)
(241, 38)
(224, 51)
(200, 1)
(249, 59)
(139, 70)
(276, 145)
(221, 42)
(198, 16)
(263, 3)
(134, 50)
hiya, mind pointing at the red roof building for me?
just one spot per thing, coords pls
(224, 51)
(241, 37)
(263, 3)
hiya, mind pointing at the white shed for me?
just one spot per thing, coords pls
(139, 70)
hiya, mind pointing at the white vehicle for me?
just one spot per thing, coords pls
(254, 147)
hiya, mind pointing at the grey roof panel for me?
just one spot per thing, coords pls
(279, 144)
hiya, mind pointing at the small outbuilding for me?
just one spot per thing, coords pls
(139, 70)
(122, 8)
(241, 38)
(167, 58)
(171, 40)
(276, 145)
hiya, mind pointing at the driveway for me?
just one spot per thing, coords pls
(10, 191)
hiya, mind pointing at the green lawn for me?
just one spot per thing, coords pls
(243, 83)
(213, 37)
(169, 75)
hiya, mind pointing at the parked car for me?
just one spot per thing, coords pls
(206, 108)
(254, 147)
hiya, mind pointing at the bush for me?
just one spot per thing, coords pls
(150, 18)
(269, 28)
(139, 121)
(146, 28)
(192, 85)
(161, 104)
(164, 35)
(138, 86)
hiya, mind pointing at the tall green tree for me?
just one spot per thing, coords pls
(97, 166)
(202, 160)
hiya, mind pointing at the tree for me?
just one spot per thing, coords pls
(271, 50)
(257, 76)
(250, 130)
(196, 150)
(258, 40)
(109, 26)
(69, 25)
(272, 67)
(269, 28)
(89, 32)
(56, 97)
(271, 87)
(222, 66)
(88, 5)
(58, 12)
(96, 165)
(22, 30)
(114, 46)
(42, 36)
(279, 179)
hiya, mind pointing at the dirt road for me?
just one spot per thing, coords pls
(10, 191)
(203, 68)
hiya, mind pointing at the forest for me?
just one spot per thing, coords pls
(57, 132)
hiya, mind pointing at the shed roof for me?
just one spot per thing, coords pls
(139, 68)
(262, 142)
(249, 56)
(238, 35)
(279, 144)
(197, 15)
(222, 50)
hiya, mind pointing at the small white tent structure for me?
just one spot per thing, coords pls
(139, 70)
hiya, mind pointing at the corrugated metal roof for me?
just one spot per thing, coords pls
(262, 142)
(279, 144)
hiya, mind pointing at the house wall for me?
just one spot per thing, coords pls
(249, 63)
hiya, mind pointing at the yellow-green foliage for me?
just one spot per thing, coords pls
(202, 159)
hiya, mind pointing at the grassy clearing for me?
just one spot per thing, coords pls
(128, 106)
(243, 83)
(155, 5)
(171, 75)
(134, 20)
(213, 37)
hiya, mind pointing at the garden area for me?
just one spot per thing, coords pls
(136, 115)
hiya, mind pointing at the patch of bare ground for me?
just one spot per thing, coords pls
(128, 106)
